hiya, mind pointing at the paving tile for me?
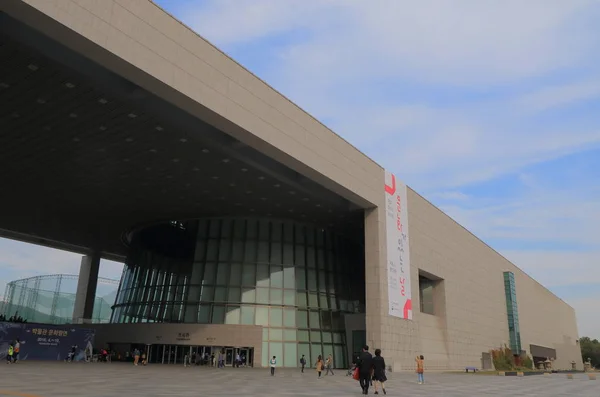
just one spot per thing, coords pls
(44, 379)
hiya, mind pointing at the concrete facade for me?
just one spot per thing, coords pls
(139, 41)
(475, 315)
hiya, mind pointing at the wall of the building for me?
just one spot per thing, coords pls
(547, 321)
(470, 316)
(170, 334)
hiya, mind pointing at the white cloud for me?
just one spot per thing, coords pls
(452, 146)
(559, 268)
(450, 195)
(460, 41)
(560, 95)
(561, 220)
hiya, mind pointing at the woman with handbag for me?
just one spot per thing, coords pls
(319, 365)
(379, 377)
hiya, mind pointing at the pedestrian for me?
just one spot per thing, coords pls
(136, 356)
(319, 366)
(420, 369)
(273, 363)
(16, 351)
(9, 354)
(302, 363)
(365, 368)
(379, 371)
(329, 365)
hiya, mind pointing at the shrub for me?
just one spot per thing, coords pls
(527, 362)
(503, 359)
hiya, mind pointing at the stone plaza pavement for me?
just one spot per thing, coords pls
(38, 379)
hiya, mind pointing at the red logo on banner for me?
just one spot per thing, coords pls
(407, 307)
(391, 189)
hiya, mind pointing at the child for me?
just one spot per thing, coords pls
(273, 363)
(420, 370)
(9, 354)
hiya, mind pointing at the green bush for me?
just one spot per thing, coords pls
(527, 362)
(503, 359)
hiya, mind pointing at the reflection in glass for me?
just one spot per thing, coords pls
(247, 271)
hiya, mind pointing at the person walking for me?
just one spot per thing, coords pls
(16, 351)
(136, 356)
(9, 354)
(379, 377)
(365, 368)
(420, 369)
(329, 365)
(273, 364)
(221, 360)
(302, 363)
(319, 366)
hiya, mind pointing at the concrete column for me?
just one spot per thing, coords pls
(86, 289)
(375, 274)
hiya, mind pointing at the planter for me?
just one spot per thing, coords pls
(520, 374)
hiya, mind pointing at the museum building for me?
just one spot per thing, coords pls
(245, 225)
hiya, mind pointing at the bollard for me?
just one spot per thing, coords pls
(569, 376)
(520, 374)
(501, 374)
(592, 376)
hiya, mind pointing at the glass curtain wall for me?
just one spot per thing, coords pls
(512, 311)
(293, 279)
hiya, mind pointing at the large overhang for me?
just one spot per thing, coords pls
(86, 155)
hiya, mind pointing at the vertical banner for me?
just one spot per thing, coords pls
(398, 255)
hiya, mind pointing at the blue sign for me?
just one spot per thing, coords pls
(45, 342)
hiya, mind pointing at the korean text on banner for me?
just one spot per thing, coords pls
(398, 255)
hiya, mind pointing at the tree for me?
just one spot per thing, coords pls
(590, 349)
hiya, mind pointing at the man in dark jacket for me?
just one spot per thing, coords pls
(365, 367)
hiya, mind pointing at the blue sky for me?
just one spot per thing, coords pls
(487, 108)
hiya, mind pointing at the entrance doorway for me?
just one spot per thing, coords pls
(246, 356)
(168, 354)
(229, 356)
(198, 355)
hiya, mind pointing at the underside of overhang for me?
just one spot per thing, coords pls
(86, 155)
